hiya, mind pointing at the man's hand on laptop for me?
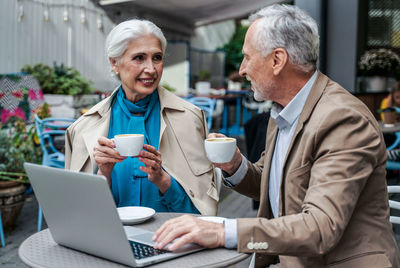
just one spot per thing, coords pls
(189, 229)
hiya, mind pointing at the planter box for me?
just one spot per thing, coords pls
(67, 106)
(12, 198)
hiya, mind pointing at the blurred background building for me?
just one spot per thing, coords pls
(73, 32)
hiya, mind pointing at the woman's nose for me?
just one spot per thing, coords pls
(149, 67)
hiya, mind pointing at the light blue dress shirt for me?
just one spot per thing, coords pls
(286, 119)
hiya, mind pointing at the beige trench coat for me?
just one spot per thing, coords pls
(333, 198)
(182, 133)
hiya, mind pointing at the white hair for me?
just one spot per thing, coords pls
(290, 28)
(120, 36)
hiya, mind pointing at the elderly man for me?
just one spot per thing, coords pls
(321, 180)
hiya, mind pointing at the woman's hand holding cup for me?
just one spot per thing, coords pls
(153, 167)
(223, 152)
(106, 156)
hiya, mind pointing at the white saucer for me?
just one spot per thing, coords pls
(133, 215)
(213, 219)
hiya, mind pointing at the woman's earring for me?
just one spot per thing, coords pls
(117, 73)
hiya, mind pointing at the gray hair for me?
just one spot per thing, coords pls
(120, 36)
(290, 28)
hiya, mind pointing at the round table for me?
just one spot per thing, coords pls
(40, 250)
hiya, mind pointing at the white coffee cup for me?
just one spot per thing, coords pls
(220, 150)
(129, 144)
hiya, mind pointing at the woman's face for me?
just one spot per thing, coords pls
(140, 67)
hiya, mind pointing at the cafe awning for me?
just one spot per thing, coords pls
(182, 15)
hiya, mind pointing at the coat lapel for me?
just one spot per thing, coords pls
(90, 137)
(167, 101)
(100, 128)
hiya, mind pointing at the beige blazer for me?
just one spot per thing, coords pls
(333, 198)
(182, 133)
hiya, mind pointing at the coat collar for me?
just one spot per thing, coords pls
(314, 96)
(312, 99)
(168, 100)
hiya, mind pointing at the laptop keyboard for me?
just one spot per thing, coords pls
(142, 251)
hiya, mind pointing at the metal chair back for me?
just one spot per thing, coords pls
(47, 129)
(394, 204)
(207, 105)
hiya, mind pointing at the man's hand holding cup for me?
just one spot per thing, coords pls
(223, 152)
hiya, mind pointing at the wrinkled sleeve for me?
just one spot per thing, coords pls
(176, 199)
(336, 168)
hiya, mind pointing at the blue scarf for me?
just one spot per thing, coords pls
(142, 117)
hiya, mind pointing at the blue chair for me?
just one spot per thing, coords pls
(207, 105)
(394, 165)
(3, 243)
(47, 129)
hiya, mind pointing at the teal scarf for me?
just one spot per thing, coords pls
(142, 117)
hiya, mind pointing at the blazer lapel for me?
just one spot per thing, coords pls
(312, 99)
(272, 133)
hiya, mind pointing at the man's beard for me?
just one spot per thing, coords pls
(258, 96)
(260, 92)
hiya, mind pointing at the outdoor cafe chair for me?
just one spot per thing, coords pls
(47, 129)
(394, 165)
(207, 105)
(394, 204)
(3, 243)
(390, 164)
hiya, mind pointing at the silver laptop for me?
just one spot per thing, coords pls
(81, 214)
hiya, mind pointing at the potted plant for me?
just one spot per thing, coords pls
(16, 146)
(64, 88)
(377, 65)
(203, 84)
(235, 81)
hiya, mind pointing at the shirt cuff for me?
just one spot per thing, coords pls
(230, 233)
(238, 176)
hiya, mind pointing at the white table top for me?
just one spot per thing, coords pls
(40, 250)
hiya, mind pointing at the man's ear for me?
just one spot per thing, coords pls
(280, 58)
(114, 64)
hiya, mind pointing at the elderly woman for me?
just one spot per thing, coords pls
(172, 173)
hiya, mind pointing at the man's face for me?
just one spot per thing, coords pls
(257, 68)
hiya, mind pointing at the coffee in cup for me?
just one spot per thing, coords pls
(220, 150)
(129, 144)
